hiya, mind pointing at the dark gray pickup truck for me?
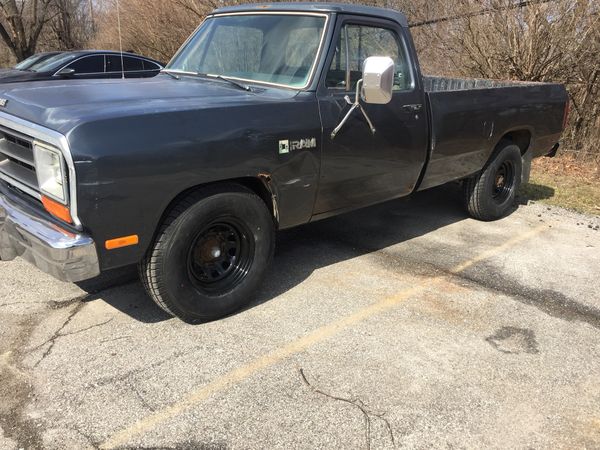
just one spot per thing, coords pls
(270, 116)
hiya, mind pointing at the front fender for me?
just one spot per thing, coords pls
(130, 169)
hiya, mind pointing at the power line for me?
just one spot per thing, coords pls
(521, 4)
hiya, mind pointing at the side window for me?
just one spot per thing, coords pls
(133, 64)
(149, 65)
(113, 63)
(88, 65)
(336, 75)
(362, 41)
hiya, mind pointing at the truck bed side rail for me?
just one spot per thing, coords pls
(439, 84)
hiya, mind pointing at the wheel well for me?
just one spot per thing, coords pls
(521, 138)
(258, 185)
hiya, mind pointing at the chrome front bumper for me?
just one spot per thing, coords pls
(60, 253)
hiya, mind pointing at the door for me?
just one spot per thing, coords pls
(358, 167)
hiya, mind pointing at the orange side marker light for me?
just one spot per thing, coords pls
(124, 241)
(56, 209)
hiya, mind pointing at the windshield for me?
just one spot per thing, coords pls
(53, 63)
(270, 48)
(29, 61)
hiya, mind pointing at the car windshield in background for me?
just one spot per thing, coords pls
(53, 63)
(270, 48)
(24, 65)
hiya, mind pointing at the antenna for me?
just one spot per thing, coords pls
(120, 40)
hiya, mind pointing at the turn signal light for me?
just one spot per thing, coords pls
(57, 209)
(124, 241)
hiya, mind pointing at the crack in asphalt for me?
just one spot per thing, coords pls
(125, 376)
(103, 341)
(54, 304)
(55, 335)
(140, 397)
(95, 445)
(367, 413)
(87, 328)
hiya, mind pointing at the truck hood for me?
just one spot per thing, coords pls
(64, 104)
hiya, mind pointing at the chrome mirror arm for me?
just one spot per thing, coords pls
(367, 118)
(355, 105)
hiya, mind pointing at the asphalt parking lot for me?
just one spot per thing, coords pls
(402, 325)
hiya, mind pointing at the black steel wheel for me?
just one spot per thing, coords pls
(490, 194)
(210, 254)
(221, 255)
(503, 180)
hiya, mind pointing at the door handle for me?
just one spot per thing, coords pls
(413, 108)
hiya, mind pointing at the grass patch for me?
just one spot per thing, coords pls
(566, 183)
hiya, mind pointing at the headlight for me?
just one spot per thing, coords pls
(50, 169)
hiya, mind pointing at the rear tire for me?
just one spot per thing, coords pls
(210, 254)
(490, 194)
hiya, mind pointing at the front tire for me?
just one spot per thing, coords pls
(490, 194)
(210, 254)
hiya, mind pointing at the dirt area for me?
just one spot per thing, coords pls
(565, 182)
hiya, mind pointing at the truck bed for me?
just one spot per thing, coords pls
(468, 117)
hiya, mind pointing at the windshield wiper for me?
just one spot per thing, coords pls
(244, 87)
(171, 74)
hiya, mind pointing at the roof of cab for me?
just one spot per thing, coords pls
(342, 8)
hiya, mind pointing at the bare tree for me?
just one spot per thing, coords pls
(155, 28)
(546, 41)
(198, 8)
(21, 23)
(72, 24)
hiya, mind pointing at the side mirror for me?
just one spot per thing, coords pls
(65, 72)
(378, 79)
(374, 87)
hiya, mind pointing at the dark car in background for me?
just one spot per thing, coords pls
(81, 64)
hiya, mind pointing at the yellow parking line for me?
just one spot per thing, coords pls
(497, 250)
(241, 373)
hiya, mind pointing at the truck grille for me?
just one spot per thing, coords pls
(16, 161)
